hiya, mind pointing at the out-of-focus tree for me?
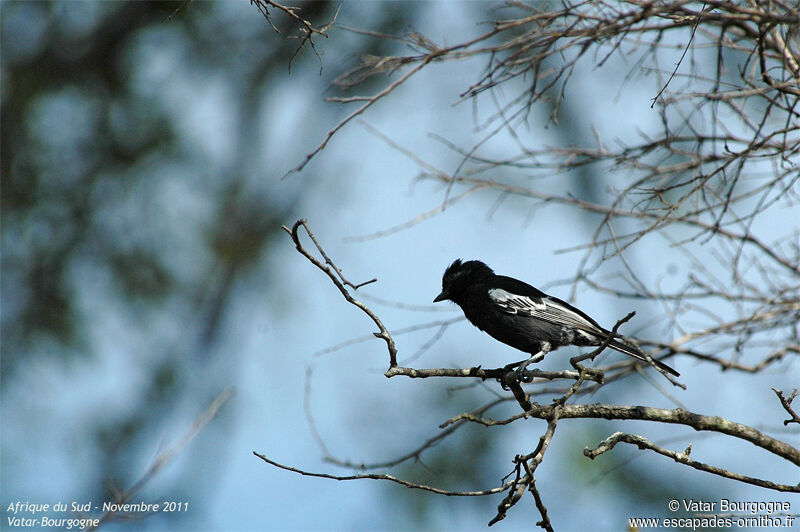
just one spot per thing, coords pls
(132, 207)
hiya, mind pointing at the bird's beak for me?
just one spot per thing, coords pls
(440, 297)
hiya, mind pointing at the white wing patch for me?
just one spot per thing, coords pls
(545, 309)
(516, 304)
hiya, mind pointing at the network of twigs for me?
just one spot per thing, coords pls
(725, 155)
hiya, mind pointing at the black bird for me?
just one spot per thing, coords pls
(524, 317)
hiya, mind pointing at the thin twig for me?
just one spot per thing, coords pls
(340, 282)
(376, 476)
(786, 402)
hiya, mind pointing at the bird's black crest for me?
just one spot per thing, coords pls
(471, 271)
(459, 276)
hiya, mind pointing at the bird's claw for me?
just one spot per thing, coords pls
(511, 375)
(522, 376)
(508, 375)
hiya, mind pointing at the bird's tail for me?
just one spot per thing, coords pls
(635, 352)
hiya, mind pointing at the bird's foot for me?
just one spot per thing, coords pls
(509, 375)
(521, 375)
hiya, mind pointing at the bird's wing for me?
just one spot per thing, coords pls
(544, 308)
(553, 310)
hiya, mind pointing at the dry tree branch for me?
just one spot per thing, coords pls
(369, 102)
(530, 462)
(440, 324)
(376, 476)
(676, 416)
(531, 40)
(534, 38)
(340, 282)
(417, 452)
(417, 219)
(657, 218)
(678, 64)
(683, 458)
(676, 348)
(477, 371)
(786, 402)
(307, 29)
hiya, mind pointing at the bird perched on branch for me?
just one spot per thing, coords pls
(524, 317)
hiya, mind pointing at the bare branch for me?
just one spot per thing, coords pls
(368, 103)
(787, 405)
(682, 458)
(376, 476)
(678, 64)
(340, 282)
(307, 29)
(481, 373)
(677, 416)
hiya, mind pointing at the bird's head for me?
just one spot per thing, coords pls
(459, 276)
